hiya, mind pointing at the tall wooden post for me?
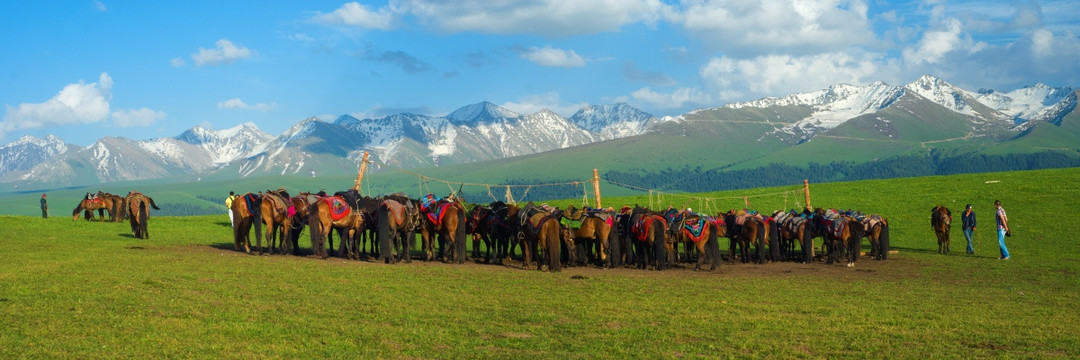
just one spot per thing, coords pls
(360, 173)
(806, 190)
(596, 186)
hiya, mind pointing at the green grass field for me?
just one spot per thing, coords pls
(90, 290)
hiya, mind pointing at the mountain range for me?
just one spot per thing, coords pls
(849, 122)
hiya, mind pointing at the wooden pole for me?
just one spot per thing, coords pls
(596, 186)
(806, 190)
(360, 173)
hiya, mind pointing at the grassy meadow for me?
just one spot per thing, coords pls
(90, 290)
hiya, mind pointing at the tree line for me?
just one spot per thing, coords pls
(699, 179)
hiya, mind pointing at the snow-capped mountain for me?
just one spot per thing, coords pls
(612, 121)
(485, 131)
(1038, 102)
(829, 107)
(28, 151)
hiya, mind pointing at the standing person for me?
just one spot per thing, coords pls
(44, 207)
(228, 205)
(969, 227)
(1003, 229)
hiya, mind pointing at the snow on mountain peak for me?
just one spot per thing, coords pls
(831, 106)
(612, 121)
(479, 113)
(1027, 103)
(943, 93)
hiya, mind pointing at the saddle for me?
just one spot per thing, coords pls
(396, 210)
(694, 228)
(836, 228)
(339, 209)
(435, 213)
(251, 201)
(279, 203)
(642, 227)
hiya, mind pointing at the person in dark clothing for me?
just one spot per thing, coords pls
(968, 219)
(44, 207)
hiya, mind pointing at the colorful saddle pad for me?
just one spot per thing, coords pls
(339, 209)
(436, 216)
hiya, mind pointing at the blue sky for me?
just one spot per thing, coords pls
(82, 70)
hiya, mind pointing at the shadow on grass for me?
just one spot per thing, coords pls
(254, 251)
(224, 223)
(913, 250)
(126, 235)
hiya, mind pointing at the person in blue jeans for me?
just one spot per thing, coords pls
(968, 219)
(1003, 229)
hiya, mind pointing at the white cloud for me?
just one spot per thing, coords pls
(100, 6)
(236, 103)
(78, 103)
(553, 57)
(177, 62)
(532, 104)
(136, 117)
(541, 17)
(674, 99)
(769, 26)
(1042, 42)
(936, 43)
(355, 14)
(785, 74)
(225, 52)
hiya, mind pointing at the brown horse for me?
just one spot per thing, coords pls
(844, 235)
(321, 216)
(592, 228)
(648, 232)
(118, 205)
(445, 219)
(794, 228)
(89, 205)
(541, 229)
(876, 229)
(746, 230)
(247, 212)
(138, 213)
(702, 232)
(299, 219)
(941, 222)
(275, 216)
(398, 218)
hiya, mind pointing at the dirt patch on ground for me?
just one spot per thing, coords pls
(896, 267)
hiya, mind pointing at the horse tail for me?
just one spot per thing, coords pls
(152, 204)
(552, 237)
(659, 246)
(382, 232)
(807, 242)
(883, 241)
(144, 215)
(762, 230)
(459, 237)
(256, 219)
(712, 247)
(614, 256)
(315, 228)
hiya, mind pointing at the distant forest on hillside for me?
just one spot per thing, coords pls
(704, 180)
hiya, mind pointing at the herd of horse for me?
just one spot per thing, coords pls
(385, 228)
(135, 207)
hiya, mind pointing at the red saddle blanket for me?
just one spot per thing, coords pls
(642, 227)
(437, 215)
(339, 209)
